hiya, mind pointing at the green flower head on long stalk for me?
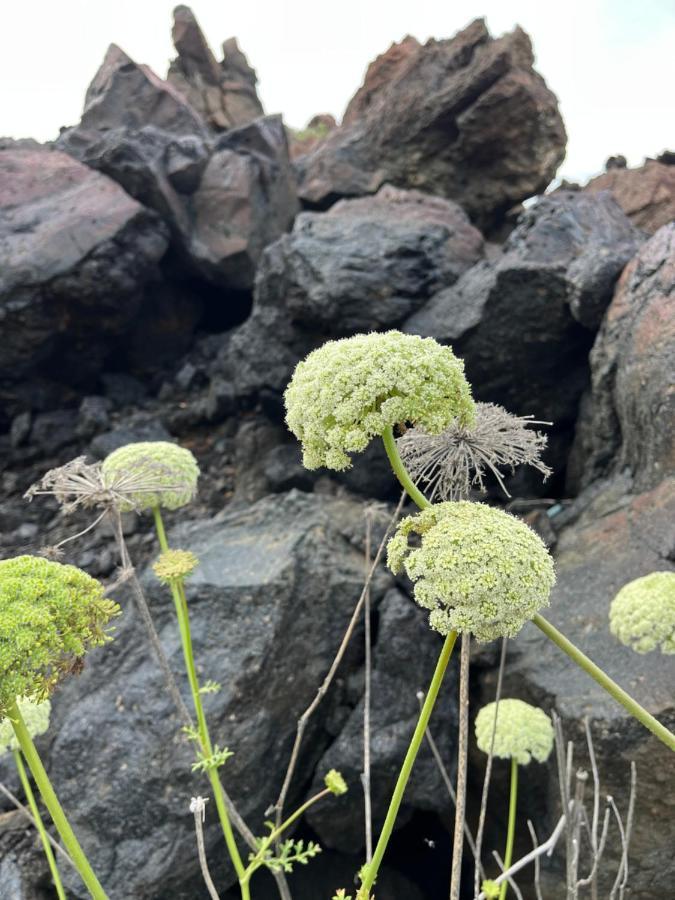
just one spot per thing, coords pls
(36, 718)
(151, 474)
(522, 731)
(642, 614)
(477, 569)
(349, 391)
(50, 616)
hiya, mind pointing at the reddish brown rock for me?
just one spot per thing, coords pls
(628, 420)
(467, 118)
(646, 194)
(317, 130)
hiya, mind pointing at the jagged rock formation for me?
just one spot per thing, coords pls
(467, 118)
(646, 194)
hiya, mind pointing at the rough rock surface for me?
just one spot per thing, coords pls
(403, 664)
(618, 538)
(223, 93)
(467, 118)
(628, 419)
(77, 253)
(277, 583)
(224, 199)
(365, 265)
(646, 194)
(523, 320)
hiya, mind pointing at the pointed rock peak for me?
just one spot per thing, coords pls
(194, 54)
(235, 62)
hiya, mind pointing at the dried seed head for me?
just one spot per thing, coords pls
(335, 783)
(477, 569)
(35, 717)
(349, 391)
(522, 731)
(150, 474)
(175, 565)
(50, 616)
(642, 614)
(448, 465)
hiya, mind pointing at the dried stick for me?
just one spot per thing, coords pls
(27, 815)
(488, 772)
(198, 809)
(462, 755)
(537, 863)
(365, 775)
(278, 807)
(506, 875)
(445, 775)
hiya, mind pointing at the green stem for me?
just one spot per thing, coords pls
(371, 870)
(44, 785)
(612, 688)
(39, 824)
(180, 603)
(400, 470)
(511, 832)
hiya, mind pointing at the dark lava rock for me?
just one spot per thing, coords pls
(277, 584)
(646, 194)
(467, 118)
(619, 537)
(522, 321)
(628, 420)
(403, 664)
(365, 265)
(77, 252)
(223, 93)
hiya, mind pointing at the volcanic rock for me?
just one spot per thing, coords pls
(646, 194)
(467, 118)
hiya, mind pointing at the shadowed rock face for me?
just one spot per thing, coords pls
(467, 118)
(646, 194)
(77, 252)
(621, 536)
(628, 419)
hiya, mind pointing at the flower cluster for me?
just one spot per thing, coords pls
(50, 616)
(477, 569)
(151, 474)
(36, 720)
(522, 731)
(642, 614)
(349, 391)
(174, 565)
(335, 782)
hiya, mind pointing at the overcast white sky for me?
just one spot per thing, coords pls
(610, 62)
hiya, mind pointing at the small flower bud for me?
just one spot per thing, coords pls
(335, 783)
(35, 717)
(347, 392)
(150, 474)
(642, 614)
(522, 731)
(174, 565)
(50, 616)
(477, 569)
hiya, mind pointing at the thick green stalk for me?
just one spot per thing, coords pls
(612, 688)
(48, 794)
(400, 470)
(371, 870)
(180, 603)
(511, 832)
(39, 824)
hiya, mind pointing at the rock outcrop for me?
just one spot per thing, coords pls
(467, 118)
(646, 194)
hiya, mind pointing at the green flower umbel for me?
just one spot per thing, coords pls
(477, 569)
(347, 392)
(523, 731)
(642, 614)
(151, 474)
(36, 718)
(50, 616)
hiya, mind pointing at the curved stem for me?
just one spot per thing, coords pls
(180, 603)
(632, 706)
(511, 832)
(371, 870)
(400, 470)
(48, 794)
(39, 824)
